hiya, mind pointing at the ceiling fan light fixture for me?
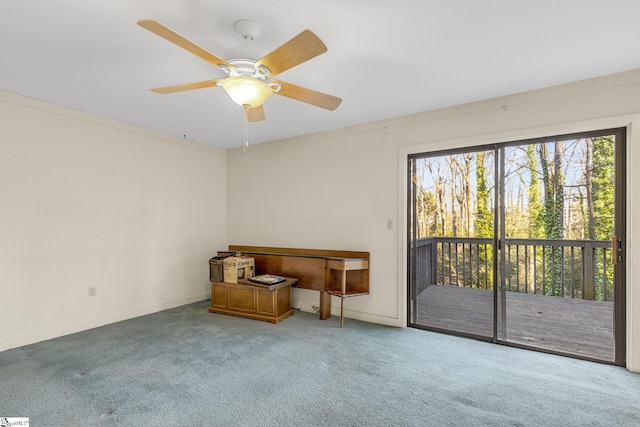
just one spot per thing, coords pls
(247, 91)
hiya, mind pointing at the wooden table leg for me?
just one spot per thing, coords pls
(325, 305)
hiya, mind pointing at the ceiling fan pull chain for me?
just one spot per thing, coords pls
(246, 128)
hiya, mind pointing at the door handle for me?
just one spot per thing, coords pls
(616, 247)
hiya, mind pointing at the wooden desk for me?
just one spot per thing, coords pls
(331, 272)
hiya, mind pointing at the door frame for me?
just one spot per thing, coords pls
(623, 317)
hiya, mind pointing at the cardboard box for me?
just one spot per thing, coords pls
(216, 268)
(238, 268)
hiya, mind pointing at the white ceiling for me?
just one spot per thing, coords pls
(386, 58)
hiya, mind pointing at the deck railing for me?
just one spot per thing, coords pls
(567, 268)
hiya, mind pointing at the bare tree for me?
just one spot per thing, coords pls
(588, 177)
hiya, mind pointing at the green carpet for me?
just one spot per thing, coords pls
(185, 366)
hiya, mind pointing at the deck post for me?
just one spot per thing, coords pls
(587, 268)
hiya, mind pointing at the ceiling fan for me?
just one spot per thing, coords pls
(249, 80)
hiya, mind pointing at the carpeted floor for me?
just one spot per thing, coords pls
(185, 366)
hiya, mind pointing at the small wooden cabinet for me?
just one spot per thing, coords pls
(270, 303)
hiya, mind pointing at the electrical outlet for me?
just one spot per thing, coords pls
(93, 291)
(308, 307)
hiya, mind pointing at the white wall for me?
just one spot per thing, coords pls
(332, 192)
(337, 189)
(85, 201)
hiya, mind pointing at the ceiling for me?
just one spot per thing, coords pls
(386, 58)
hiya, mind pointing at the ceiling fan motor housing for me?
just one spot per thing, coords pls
(243, 58)
(248, 29)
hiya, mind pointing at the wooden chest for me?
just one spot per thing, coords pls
(270, 303)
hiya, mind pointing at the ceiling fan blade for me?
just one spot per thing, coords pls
(256, 114)
(299, 49)
(309, 96)
(184, 86)
(175, 38)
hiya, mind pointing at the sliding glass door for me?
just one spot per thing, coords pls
(452, 242)
(520, 243)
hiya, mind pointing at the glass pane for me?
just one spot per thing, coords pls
(451, 250)
(557, 288)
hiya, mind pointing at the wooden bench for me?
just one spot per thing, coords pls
(331, 272)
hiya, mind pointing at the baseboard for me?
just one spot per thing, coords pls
(312, 307)
(84, 325)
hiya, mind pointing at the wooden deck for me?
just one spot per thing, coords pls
(566, 325)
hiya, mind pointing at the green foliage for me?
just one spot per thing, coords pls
(602, 182)
(546, 216)
(483, 218)
(536, 219)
